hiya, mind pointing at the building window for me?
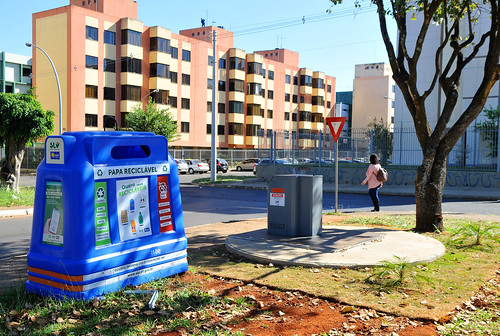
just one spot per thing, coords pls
(90, 120)
(160, 97)
(131, 37)
(295, 80)
(109, 93)
(254, 89)
(90, 62)
(270, 94)
(209, 106)
(394, 88)
(172, 101)
(263, 72)
(318, 83)
(328, 104)
(295, 99)
(123, 118)
(186, 55)
(221, 129)
(185, 103)
(236, 85)
(26, 71)
(209, 129)
(174, 52)
(235, 107)
(305, 80)
(222, 63)
(304, 116)
(90, 91)
(252, 130)
(109, 37)
(222, 85)
(109, 65)
(254, 68)
(159, 44)
(302, 99)
(270, 74)
(287, 115)
(294, 116)
(328, 88)
(288, 79)
(211, 60)
(173, 76)
(270, 114)
(221, 108)
(159, 70)
(318, 100)
(91, 33)
(133, 65)
(186, 79)
(253, 109)
(235, 129)
(184, 127)
(287, 97)
(131, 92)
(236, 63)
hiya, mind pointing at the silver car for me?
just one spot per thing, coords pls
(195, 166)
(247, 164)
(182, 166)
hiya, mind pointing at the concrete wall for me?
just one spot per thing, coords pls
(397, 177)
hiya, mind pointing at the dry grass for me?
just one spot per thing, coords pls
(430, 291)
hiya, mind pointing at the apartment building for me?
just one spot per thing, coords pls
(373, 95)
(15, 73)
(108, 61)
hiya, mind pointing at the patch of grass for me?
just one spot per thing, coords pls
(448, 281)
(474, 323)
(26, 197)
(474, 233)
(222, 179)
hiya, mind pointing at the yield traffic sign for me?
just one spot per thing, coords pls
(336, 124)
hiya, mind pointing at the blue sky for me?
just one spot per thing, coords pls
(332, 43)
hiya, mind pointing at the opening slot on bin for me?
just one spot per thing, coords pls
(130, 152)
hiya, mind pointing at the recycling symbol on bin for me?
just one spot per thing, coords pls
(99, 172)
(165, 168)
(100, 193)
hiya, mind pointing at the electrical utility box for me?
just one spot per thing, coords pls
(107, 214)
(295, 205)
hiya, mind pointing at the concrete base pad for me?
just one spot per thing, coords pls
(337, 246)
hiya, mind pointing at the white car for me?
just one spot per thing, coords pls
(182, 166)
(195, 166)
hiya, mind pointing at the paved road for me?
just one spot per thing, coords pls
(206, 205)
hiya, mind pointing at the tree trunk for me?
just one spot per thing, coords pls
(14, 153)
(429, 186)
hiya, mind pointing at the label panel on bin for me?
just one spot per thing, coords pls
(102, 237)
(107, 172)
(164, 209)
(53, 219)
(133, 208)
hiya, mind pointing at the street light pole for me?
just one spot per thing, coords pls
(154, 91)
(57, 80)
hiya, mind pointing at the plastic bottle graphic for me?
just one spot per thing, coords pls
(132, 205)
(141, 219)
(132, 224)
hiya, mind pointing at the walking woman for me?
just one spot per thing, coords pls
(373, 183)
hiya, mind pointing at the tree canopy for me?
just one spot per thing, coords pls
(23, 122)
(152, 119)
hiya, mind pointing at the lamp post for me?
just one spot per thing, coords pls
(57, 80)
(154, 91)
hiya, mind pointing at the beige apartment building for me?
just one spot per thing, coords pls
(373, 95)
(108, 61)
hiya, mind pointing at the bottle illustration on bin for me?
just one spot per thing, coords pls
(132, 205)
(133, 227)
(124, 217)
(141, 219)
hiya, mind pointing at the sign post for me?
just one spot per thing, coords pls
(336, 124)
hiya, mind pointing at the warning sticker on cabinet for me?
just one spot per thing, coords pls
(277, 199)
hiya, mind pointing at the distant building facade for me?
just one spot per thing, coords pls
(108, 62)
(15, 73)
(373, 95)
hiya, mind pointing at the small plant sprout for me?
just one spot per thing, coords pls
(391, 273)
(474, 233)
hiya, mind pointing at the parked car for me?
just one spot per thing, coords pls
(222, 165)
(268, 161)
(247, 164)
(197, 166)
(182, 166)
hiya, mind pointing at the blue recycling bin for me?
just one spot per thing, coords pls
(107, 214)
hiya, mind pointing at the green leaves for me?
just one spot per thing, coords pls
(153, 119)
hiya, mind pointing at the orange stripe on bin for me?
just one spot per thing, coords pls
(56, 275)
(278, 190)
(54, 284)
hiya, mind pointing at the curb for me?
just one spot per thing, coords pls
(16, 212)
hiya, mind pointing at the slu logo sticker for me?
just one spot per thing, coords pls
(54, 145)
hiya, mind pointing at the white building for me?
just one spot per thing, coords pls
(15, 73)
(470, 150)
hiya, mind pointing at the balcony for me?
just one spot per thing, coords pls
(235, 140)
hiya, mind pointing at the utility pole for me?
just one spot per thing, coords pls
(213, 161)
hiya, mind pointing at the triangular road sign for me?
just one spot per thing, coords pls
(336, 124)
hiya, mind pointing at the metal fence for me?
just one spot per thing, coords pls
(478, 149)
